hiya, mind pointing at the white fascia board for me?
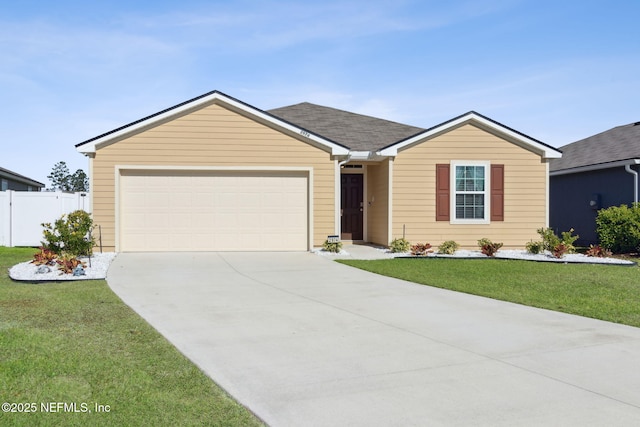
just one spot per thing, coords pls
(599, 166)
(130, 130)
(91, 147)
(545, 151)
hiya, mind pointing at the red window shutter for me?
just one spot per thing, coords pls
(497, 192)
(442, 192)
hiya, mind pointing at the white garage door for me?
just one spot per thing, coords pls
(213, 211)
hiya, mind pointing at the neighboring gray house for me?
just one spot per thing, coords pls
(13, 181)
(594, 173)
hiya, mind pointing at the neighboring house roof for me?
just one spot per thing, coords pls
(214, 97)
(356, 131)
(7, 174)
(606, 149)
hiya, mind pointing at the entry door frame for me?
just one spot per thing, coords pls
(349, 171)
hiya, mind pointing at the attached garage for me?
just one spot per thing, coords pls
(213, 210)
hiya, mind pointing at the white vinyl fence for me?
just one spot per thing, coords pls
(23, 212)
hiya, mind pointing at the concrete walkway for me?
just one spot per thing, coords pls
(304, 341)
(360, 251)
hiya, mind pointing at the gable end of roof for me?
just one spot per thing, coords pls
(484, 122)
(115, 135)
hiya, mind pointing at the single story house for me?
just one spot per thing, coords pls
(216, 174)
(594, 173)
(10, 180)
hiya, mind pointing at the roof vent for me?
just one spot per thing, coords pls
(636, 123)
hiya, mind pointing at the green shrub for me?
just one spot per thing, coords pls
(549, 238)
(332, 246)
(400, 245)
(618, 228)
(71, 234)
(449, 247)
(567, 238)
(550, 241)
(534, 247)
(484, 241)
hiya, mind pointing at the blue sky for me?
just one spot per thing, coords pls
(558, 71)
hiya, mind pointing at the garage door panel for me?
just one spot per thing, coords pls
(181, 200)
(213, 211)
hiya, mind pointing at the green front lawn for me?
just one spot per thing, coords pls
(78, 344)
(600, 291)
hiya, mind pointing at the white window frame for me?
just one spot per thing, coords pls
(4, 185)
(487, 192)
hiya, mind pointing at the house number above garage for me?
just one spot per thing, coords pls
(305, 133)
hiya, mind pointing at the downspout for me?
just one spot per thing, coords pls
(635, 181)
(342, 163)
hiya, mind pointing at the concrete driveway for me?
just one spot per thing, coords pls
(304, 341)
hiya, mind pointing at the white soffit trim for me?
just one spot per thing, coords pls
(214, 97)
(482, 122)
(599, 166)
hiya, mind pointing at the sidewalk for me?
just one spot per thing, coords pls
(359, 251)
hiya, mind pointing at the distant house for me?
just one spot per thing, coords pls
(594, 173)
(13, 181)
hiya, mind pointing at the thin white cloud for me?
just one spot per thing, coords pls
(274, 25)
(403, 60)
(50, 44)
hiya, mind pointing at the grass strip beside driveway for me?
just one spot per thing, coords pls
(78, 344)
(604, 292)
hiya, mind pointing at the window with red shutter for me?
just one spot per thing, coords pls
(462, 187)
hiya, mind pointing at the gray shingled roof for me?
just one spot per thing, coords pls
(354, 131)
(6, 173)
(619, 143)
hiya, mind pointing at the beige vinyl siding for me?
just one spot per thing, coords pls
(212, 136)
(378, 210)
(525, 199)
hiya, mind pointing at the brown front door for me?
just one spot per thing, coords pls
(352, 207)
